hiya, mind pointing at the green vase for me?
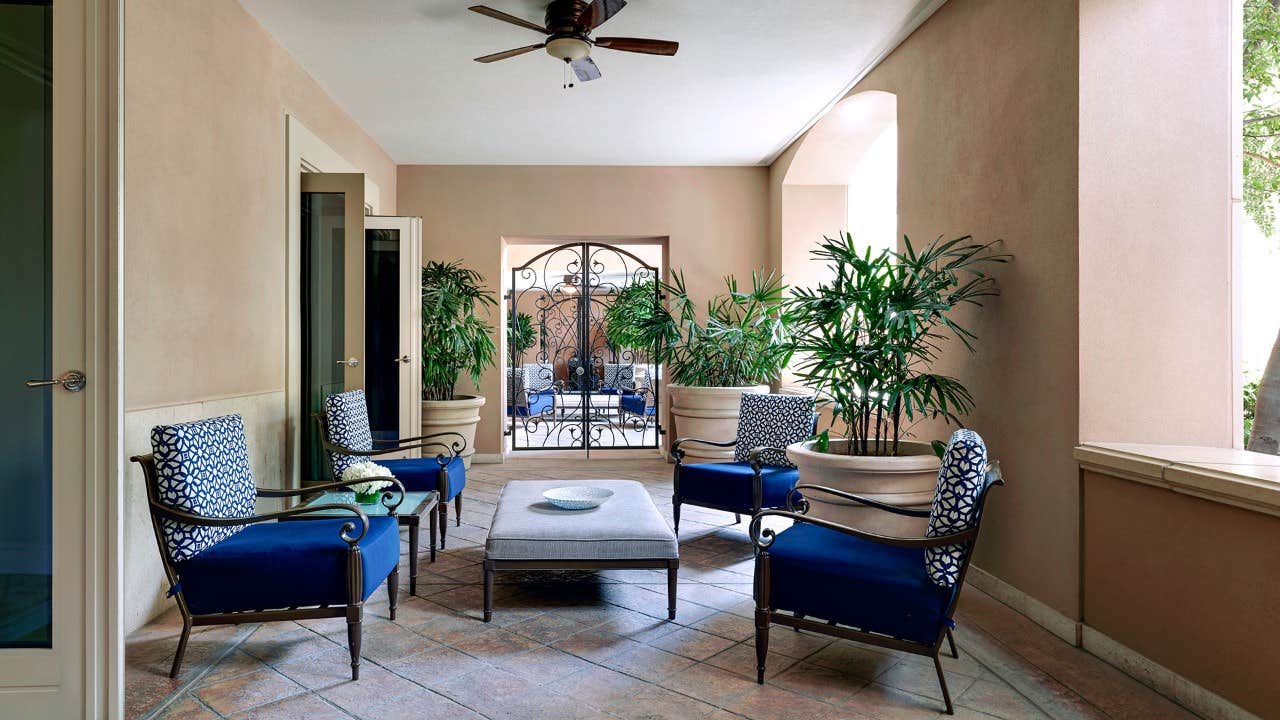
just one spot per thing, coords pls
(369, 498)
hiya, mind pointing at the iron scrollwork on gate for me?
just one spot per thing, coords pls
(572, 389)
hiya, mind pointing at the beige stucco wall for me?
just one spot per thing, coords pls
(987, 131)
(1156, 210)
(206, 94)
(715, 220)
(810, 213)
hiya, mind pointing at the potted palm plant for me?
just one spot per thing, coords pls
(738, 344)
(455, 340)
(865, 341)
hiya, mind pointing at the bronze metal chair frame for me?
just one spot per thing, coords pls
(448, 451)
(757, 483)
(353, 610)
(753, 459)
(797, 508)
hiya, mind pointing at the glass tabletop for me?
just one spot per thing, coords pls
(414, 503)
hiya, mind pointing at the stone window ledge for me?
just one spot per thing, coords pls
(1244, 479)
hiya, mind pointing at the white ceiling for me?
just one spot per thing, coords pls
(749, 77)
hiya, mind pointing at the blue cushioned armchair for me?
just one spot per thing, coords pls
(227, 565)
(893, 592)
(760, 475)
(347, 438)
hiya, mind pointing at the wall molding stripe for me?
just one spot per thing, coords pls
(1160, 678)
(488, 458)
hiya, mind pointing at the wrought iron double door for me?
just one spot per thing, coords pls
(567, 386)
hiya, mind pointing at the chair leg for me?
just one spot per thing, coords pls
(457, 508)
(737, 518)
(393, 589)
(762, 643)
(675, 512)
(444, 520)
(942, 680)
(952, 642)
(182, 649)
(354, 614)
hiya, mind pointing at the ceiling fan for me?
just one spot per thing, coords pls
(568, 26)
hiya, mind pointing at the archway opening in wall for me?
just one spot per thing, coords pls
(842, 178)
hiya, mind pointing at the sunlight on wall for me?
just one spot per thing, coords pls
(873, 194)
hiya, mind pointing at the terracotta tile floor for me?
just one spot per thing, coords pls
(597, 645)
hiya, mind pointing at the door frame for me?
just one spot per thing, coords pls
(581, 266)
(305, 152)
(94, 202)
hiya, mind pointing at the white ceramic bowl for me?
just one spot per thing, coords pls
(577, 497)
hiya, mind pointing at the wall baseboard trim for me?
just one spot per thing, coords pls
(1039, 613)
(488, 458)
(1161, 679)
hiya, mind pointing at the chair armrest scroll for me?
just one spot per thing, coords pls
(794, 501)
(387, 494)
(678, 451)
(753, 457)
(763, 537)
(193, 519)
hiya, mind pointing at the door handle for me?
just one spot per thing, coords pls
(72, 381)
(350, 362)
(403, 359)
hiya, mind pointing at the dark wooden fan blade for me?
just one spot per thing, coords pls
(509, 53)
(504, 17)
(639, 45)
(601, 10)
(586, 69)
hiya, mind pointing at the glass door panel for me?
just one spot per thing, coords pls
(382, 331)
(323, 316)
(331, 263)
(26, 425)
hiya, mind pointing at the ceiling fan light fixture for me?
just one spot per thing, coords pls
(568, 48)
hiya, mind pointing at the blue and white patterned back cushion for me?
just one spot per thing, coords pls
(347, 417)
(772, 421)
(955, 503)
(538, 376)
(617, 375)
(202, 467)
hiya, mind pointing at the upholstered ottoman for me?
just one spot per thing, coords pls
(529, 533)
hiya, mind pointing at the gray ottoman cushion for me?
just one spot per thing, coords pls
(626, 527)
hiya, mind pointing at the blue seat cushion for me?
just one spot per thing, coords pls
(277, 565)
(728, 484)
(635, 404)
(423, 474)
(876, 588)
(541, 402)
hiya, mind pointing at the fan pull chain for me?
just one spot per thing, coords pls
(567, 83)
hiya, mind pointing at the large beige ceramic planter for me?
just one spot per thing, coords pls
(460, 415)
(908, 479)
(708, 413)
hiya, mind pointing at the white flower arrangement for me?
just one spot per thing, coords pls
(354, 473)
